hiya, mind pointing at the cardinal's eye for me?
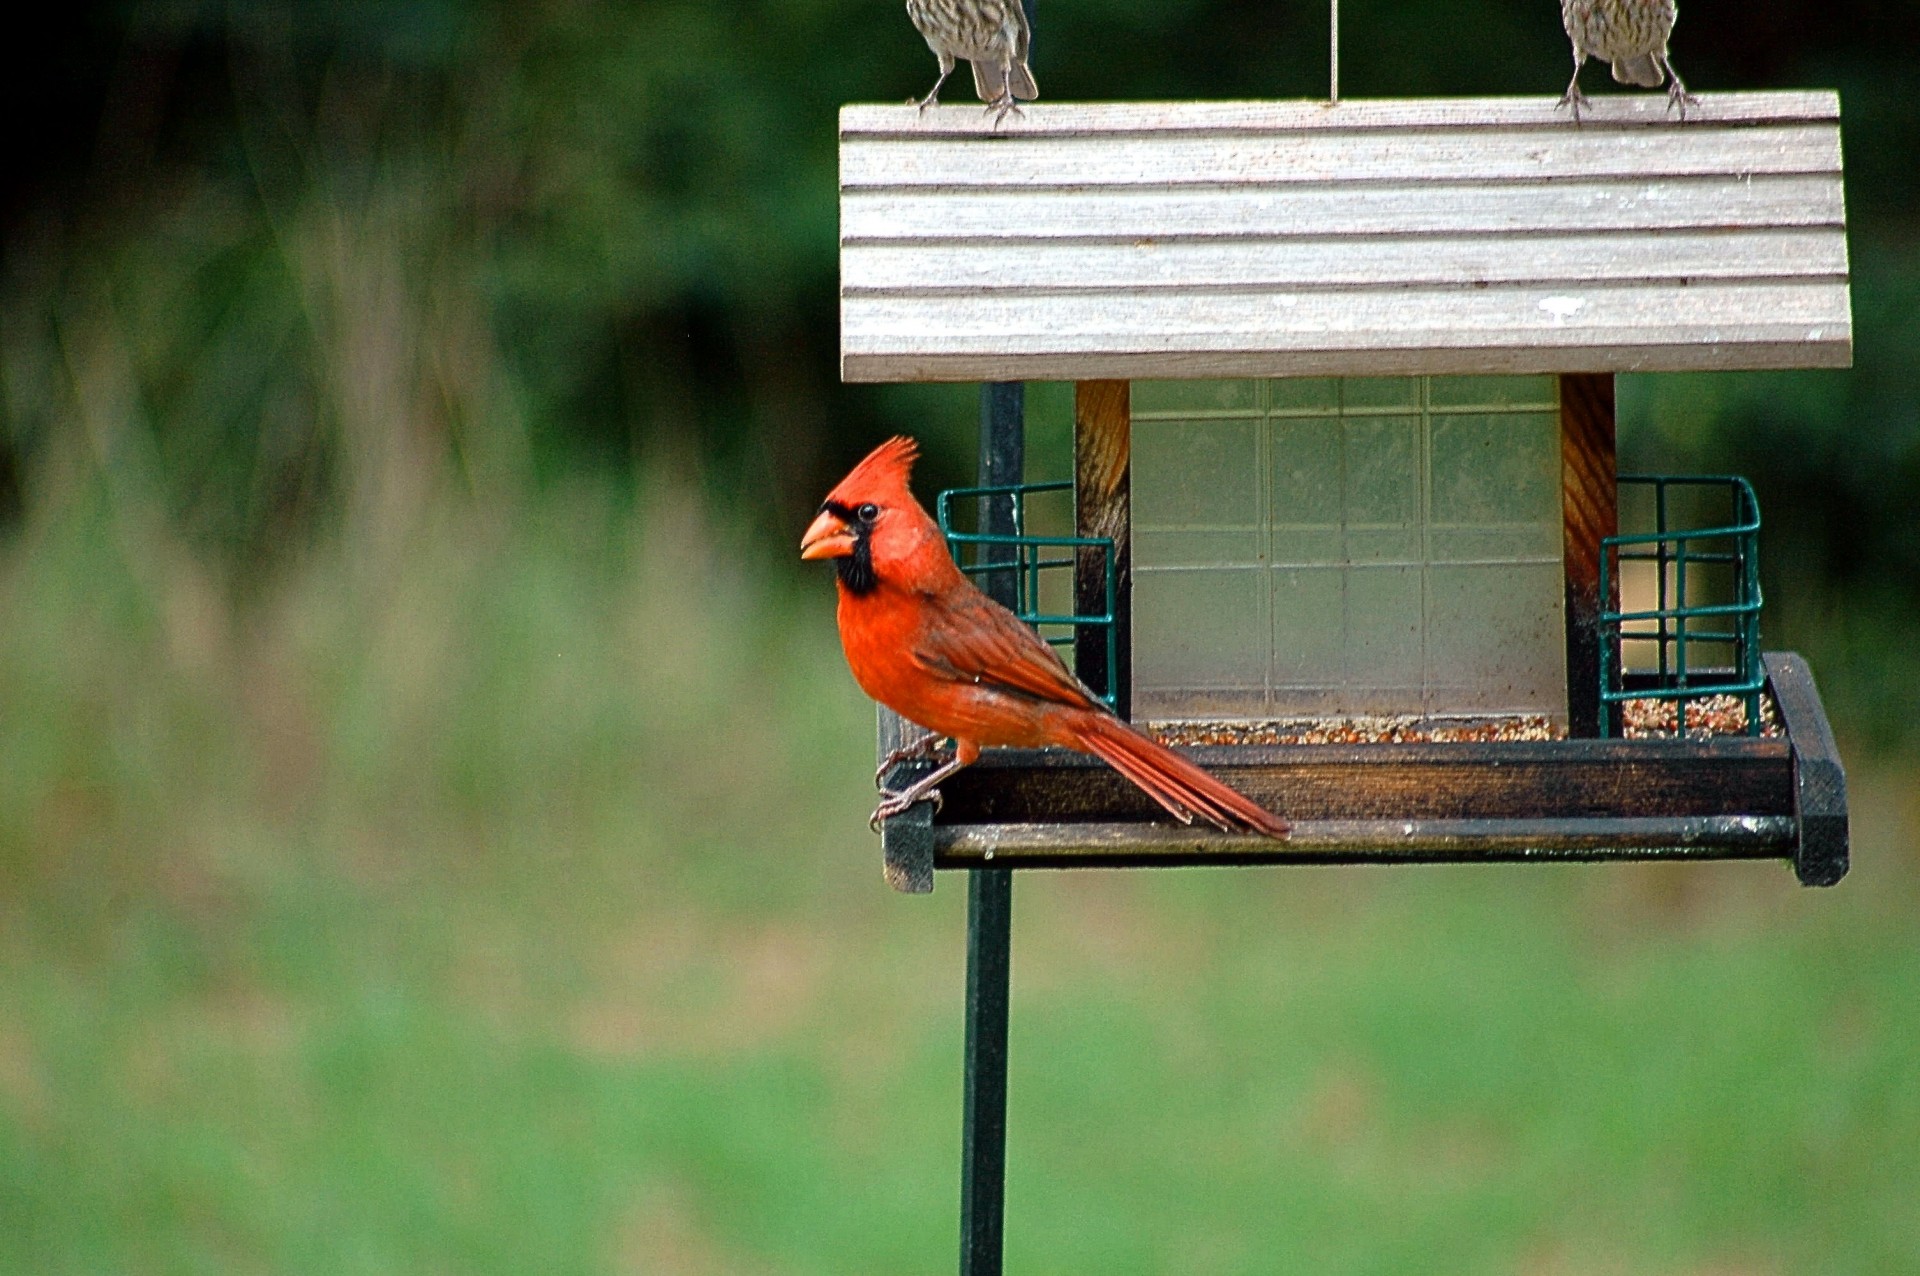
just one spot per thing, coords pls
(868, 512)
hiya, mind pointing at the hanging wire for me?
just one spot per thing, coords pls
(1333, 63)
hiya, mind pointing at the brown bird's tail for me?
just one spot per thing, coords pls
(989, 80)
(993, 82)
(1020, 79)
(1178, 785)
(1641, 70)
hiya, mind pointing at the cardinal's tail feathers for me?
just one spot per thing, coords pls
(1175, 783)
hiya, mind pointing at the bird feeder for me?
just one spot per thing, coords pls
(1344, 454)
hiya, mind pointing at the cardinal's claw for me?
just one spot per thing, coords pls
(892, 804)
(906, 753)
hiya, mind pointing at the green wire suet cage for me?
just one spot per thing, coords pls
(1704, 625)
(1034, 562)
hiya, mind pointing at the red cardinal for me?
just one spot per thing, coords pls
(923, 641)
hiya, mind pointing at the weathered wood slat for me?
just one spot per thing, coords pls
(1350, 262)
(1595, 779)
(1366, 841)
(1087, 337)
(1642, 110)
(1463, 359)
(1275, 239)
(1397, 156)
(990, 217)
(1035, 320)
(1412, 360)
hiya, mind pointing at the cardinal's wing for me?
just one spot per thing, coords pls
(971, 638)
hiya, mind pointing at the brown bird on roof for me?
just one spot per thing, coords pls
(991, 34)
(1632, 35)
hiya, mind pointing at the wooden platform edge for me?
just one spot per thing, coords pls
(1814, 835)
(907, 851)
(906, 840)
(1366, 841)
(1821, 854)
(1591, 779)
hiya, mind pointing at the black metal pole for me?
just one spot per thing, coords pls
(983, 1130)
(983, 1124)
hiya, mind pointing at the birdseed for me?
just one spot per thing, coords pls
(1644, 719)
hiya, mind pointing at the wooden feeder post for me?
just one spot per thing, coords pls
(1590, 504)
(1102, 447)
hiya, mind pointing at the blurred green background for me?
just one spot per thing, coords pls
(432, 803)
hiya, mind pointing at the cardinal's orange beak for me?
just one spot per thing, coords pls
(828, 537)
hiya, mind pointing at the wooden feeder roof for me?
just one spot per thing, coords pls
(1234, 239)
